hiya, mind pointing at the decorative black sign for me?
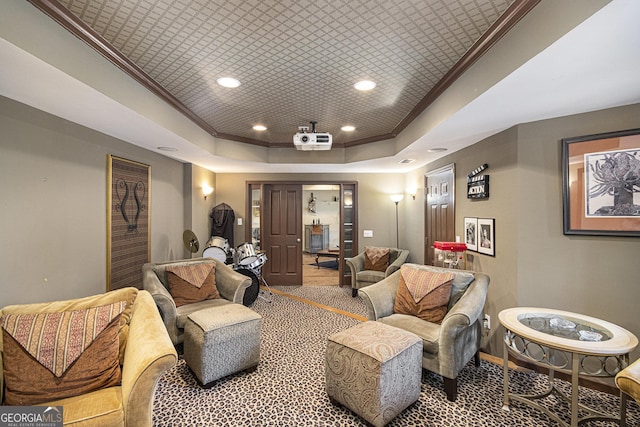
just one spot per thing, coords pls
(478, 185)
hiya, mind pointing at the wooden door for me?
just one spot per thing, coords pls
(282, 234)
(439, 210)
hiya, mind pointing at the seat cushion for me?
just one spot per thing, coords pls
(427, 331)
(369, 276)
(184, 311)
(99, 408)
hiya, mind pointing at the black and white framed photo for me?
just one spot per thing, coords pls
(486, 239)
(471, 233)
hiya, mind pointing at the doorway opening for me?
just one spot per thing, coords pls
(321, 235)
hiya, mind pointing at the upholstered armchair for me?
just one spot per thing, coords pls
(111, 381)
(628, 381)
(450, 345)
(361, 276)
(230, 284)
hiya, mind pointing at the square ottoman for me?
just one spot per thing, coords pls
(374, 369)
(222, 340)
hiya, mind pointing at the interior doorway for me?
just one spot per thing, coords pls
(439, 209)
(326, 232)
(321, 234)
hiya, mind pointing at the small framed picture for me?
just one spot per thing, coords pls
(486, 239)
(471, 233)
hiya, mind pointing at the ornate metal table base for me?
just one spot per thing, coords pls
(556, 360)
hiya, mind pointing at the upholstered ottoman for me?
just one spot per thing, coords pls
(374, 369)
(220, 341)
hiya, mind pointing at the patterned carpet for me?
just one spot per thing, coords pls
(287, 389)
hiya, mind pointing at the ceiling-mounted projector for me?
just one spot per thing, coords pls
(312, 141)
(308, 141)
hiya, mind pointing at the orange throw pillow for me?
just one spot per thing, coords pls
(50, 356)
(192, 283)
(423, 293)
(376, 259)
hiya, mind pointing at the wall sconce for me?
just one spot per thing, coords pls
(412, 192)
(206, 190)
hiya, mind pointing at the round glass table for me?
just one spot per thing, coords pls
(566, 342)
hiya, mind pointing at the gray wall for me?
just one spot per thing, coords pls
(53, 178)
(535, 263)
(53, 210)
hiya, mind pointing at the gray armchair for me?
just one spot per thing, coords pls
(447, 347)
(231, 286)
(361, 277)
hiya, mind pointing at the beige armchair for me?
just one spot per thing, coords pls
(628, 381)
(449, 346)
(230, 284)
(361, 277)
(145, 351)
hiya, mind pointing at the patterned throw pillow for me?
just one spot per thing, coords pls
(50, 356)
(423, 293)
(192, 283)
(376, 259)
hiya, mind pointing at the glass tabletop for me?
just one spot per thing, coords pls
(565, 327)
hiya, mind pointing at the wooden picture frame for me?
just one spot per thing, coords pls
(486, 239)
(471, 233)
(128, 221)
(601, 184)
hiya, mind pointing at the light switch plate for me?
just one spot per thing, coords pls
(367, 233)
(239, 221)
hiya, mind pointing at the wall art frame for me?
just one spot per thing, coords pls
(486, 236)
(128, 221)
(471, 233)
(601, 184)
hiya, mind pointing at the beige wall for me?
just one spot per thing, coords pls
(535, 263)
(53, 205)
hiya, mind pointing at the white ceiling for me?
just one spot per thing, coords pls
(594, 66)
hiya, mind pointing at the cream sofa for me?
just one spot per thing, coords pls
(146, 352)
(449, 346)
(230, 284)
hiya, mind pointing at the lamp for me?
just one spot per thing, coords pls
(206, 190)
(395, 198)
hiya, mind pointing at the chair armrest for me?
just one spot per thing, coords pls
(628, 380)
(460, 331)
(162, 298)
(395, 265)
(230, 283)
(149, 353)
(355, 264)
(380, 297)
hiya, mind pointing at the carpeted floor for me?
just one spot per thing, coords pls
(287, 389)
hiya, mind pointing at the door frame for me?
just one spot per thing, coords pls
(447, 168)
(343, 270)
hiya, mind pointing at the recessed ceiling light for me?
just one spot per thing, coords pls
(228, 82)
(259, 128)
(365, 85)
(348, 128)
(167, 149)
(436, 150)
(406, 161)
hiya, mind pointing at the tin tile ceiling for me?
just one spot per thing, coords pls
(297, 61)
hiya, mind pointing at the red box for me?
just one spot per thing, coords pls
(450, 246)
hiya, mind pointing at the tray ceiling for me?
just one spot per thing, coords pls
(296, 61)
